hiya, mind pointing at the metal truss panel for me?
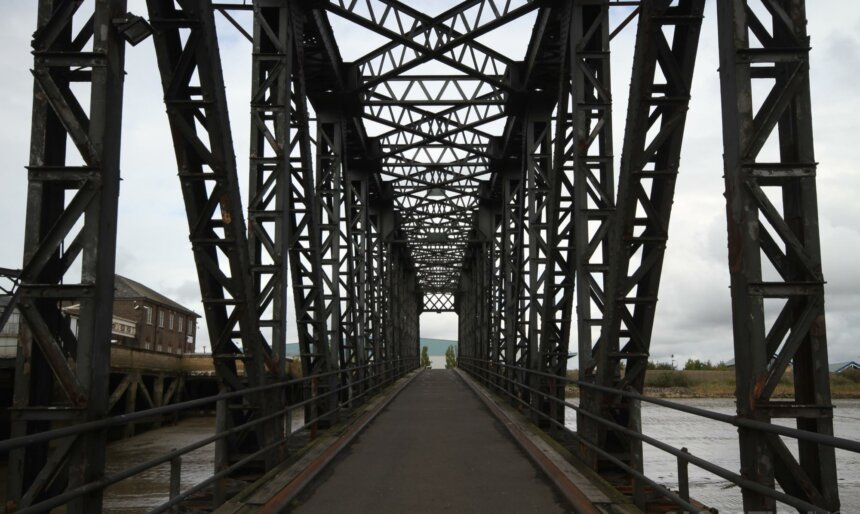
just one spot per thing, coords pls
(593, 180)
(70, 224)
(764, 47)
(268, 184)
(666, 45)
(188, 56)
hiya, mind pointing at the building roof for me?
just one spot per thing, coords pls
(128, 289)
(839, 367)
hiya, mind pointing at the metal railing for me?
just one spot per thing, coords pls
(376, 376)
(492, 374)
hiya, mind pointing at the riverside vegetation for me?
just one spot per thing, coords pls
(697, 383)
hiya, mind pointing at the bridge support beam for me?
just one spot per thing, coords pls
(594, 189)
(666, 46)
(192, 78)
(61, 372)
(765, 43)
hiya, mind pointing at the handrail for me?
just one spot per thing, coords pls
(395, 369)
(476, 370)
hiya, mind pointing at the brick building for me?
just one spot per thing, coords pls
(146, 319)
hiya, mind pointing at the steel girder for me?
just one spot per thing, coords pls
(658, 103)
(188, 58)
(62, 374)
(304, 223)
(268, 184)
(356, 317)
(765, 43)
(512, 270)
(594, 181)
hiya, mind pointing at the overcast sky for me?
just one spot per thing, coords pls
(693, 318)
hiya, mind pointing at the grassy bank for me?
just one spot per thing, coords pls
(721, 384)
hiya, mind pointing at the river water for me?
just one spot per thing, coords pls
(718, 443)
(149, 489)
(711, 440)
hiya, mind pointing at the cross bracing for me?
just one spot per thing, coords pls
(431, 172)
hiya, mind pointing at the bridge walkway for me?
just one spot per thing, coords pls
(437, 447)
(434, 449)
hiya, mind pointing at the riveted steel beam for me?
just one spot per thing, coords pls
(667, 42)
(187, 50)
(764, 47)
(70, 221)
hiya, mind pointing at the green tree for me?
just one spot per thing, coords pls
(425, 358)
(696, 364)
(450, 358)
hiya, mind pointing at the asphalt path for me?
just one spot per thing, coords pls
(435, 448)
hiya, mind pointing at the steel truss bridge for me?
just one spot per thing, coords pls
(432, 174)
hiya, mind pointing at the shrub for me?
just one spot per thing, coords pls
(450, 358)
(851, 375)
(668, 379)
(659, 365)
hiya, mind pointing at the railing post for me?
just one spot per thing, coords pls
(175, 478)
(222, 452)
(683, 478)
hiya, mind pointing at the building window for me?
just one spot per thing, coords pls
(161, 319)
(190, 326)
(158, 348)
(170, 323)
(148, 315)
(179, 322)
(12, 325)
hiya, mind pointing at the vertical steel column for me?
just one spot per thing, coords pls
(774, 52)
(464, 303)
(375, 298)
(560, 222)
(268, 178)
(594, 183)
(484, 233)
(497, 284)
(356, 316)
(514, 194)
(539, 183)
(385, 227)
(662, 75)
(395, 303)
(373, 321)
(306, 258)
(61, 375)
(330, 198)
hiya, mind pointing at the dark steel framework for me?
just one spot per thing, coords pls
(486, 187)
(767, 44)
